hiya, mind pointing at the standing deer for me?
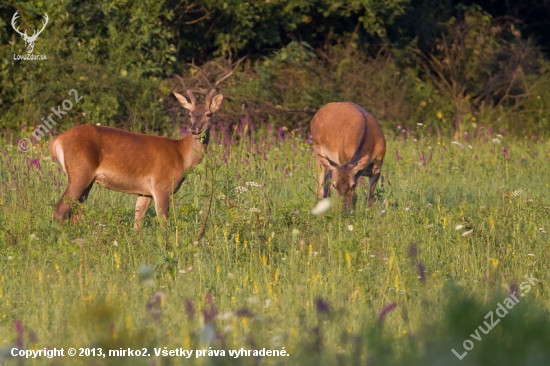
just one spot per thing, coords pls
(348, 142)
(152, 167)
(29, 41)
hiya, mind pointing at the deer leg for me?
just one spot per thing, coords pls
(161, 205)
(373, 179)
(142, 205)
(76, 191)
(323, 188)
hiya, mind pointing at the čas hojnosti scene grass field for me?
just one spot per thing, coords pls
(447, 267)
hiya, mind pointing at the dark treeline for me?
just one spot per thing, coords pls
(445, 64)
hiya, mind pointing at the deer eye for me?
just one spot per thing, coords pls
(208, 114)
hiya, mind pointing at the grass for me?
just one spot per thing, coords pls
(401, 283)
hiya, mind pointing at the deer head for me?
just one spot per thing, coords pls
(344, 177)
(29, 41)
(200, 115)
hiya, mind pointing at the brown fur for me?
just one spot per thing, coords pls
(348, 142)
(152, 167)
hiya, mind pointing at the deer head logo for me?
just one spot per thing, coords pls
(29, 41)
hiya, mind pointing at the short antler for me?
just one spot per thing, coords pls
(209, 97)
(192, 97)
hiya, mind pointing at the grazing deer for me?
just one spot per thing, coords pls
(348, 142)
(29, 41)
(152, 167)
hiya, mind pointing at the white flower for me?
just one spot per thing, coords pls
(254, 209)
(466, 233)
(459, 227)
(531, 255)
(241, 189)
(457, 144)
(221, 197)
(496, 141)
(350, 227)
(321, 207)
(254, 184)
(518, 193)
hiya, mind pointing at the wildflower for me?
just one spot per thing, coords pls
(350, 227)
(154, 305)
(189, 309)
(373, 255)
(439, 115)
(518, 193)
(466, 233)
(496, 141)
(429, 204)
(321, 207)
(531, 255)
(459, 227)
(254, 209)
(457, 144)
(383, 211)
(407, 209)
(385, 310)
(221, 197)
(254, 184)
(322, 306)
(241, 189)
(494, 261)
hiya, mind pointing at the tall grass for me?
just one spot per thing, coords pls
(456, 228)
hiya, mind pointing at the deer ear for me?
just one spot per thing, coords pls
(183, 101)
(327, 163)
(216, 103)
(361, 164)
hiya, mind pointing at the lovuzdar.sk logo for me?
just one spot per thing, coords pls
(29, 40)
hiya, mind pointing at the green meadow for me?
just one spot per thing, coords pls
(455, 230)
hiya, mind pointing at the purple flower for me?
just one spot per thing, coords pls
(280, 133)
(513, 288)
(385, 310)
(18, 325)
(189, 309)
(397, 157)
(322, 306)
(505, 153)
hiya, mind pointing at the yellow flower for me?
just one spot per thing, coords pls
(439, 114)
(494, 261)
(348, 260)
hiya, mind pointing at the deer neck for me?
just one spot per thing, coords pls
(194, 148)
